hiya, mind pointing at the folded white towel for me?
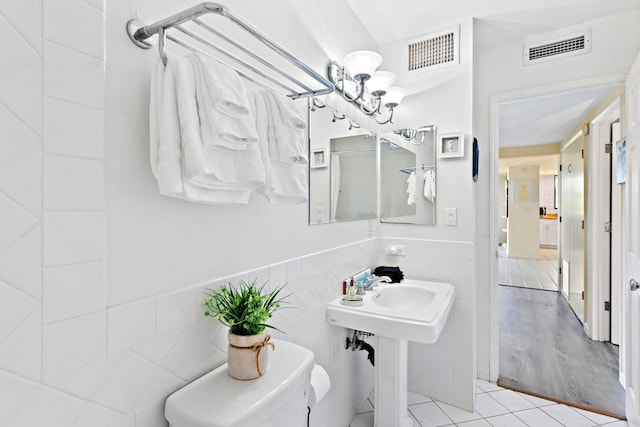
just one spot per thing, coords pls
(230, 95)
(166, 141)
(233, 131)
(210, 167)
(286, 183)
(287, 130)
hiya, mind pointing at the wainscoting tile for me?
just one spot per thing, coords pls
(72, 290)
(48, 407)
(130, 324)
(73, 343)
(72, 237)
(174, 311)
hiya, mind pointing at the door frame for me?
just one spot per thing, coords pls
(598, 243)
(493, 149)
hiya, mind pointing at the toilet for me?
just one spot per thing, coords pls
(279, 398)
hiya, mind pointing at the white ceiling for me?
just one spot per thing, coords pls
(390, 21)
(528, 122)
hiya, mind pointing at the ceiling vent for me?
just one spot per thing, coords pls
(556, 46)
(434, 51)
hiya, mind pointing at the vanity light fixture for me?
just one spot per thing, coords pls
(415, 135)
(360, 83)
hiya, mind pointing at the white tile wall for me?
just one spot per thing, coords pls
(451, 262)
(68, 359)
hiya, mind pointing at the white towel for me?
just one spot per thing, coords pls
(287, 131)
(210, 167)
(285, 183)
(167, 138)
(411, 189)
(233, 131)
(164, 130)
(430, 185)
(230, 95)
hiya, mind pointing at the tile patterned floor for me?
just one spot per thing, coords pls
(495, 407)
(529, 273)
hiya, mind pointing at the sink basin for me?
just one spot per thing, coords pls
(413, 310)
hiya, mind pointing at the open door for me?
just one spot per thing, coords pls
(632, 247)
(572, 244)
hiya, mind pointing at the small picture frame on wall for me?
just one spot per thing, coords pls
(319, 158)
(451, 145)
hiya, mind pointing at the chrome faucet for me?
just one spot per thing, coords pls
(373, 280)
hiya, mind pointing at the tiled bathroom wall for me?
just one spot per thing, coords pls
(67, 358)
(445, 370)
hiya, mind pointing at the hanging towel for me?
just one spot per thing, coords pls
(430, 185)
(411, 189)
(335, 184)
(230, 95)
(233, 131)
(169, 128)
(210, 167)
(285, 183)
(286, 133)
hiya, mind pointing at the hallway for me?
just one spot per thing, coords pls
(544, 351)
(529, 273)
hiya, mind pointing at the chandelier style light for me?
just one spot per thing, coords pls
(360, 83)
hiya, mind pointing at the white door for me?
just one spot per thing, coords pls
(632, 247)
(572, 223)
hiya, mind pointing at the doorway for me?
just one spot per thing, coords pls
(575, 265)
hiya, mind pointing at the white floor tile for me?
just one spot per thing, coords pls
(538, 402)
(537, 418)
(511, 400)
(365, 407)
(597, 418)
(458, 415)
(429, 415)
(488, 407)
(486, 386)
(617, 424)
(506, 420)
(415, 398)
(475, 423)
(567, 416)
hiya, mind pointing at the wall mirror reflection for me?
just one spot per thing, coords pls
(344, 187)
(408, 176)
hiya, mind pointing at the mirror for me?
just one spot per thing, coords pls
(408, 176)
(342, 169)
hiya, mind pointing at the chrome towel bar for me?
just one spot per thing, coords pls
(281, 72)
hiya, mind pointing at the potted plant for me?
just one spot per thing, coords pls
(245, 309)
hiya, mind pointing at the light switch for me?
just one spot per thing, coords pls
(451, 217)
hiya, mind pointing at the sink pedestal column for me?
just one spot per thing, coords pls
(391, 383)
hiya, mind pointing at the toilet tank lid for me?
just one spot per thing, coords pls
(217, 400)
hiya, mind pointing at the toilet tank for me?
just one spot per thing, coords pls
(279, 398)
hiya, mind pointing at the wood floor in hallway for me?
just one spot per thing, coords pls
(544, 351)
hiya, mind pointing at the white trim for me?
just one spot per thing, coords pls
(494, 146)
(597, 246)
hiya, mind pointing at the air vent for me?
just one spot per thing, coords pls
(434, 51)
(556, 47)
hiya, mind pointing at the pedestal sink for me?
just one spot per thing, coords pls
(413, 310)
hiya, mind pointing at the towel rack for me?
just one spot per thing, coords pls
(414, 168)
(278, 70)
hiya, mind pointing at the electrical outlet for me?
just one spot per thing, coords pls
(396, 250)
